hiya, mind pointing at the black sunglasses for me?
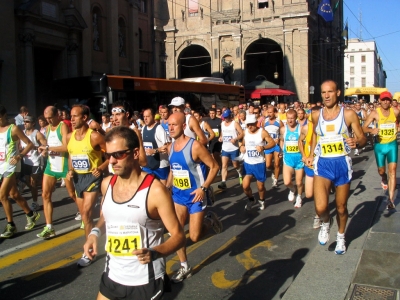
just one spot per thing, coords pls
(27, 121)
(118, 154)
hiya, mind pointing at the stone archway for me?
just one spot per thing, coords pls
(264, 57)
(194, 61)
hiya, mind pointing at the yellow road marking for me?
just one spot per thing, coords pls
(40, 248)
(175, 259)
(248, 262)
(52, 267)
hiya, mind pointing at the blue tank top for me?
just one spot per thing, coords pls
(188, 175)
(165, 126)
(291, 138)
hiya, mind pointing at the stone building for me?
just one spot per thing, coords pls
(286, 41)
(43, 40)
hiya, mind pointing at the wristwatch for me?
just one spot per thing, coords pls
(204, 189)
(156, 151)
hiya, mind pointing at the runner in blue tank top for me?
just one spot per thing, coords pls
(189, 184)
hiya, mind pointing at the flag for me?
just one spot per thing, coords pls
(345, 32)
(336, 7)
(325, 10)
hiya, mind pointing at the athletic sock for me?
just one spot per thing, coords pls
(49, 226)
(185, 265)
(340, 234)
(11, 223)
(251, 199)
(238, 171)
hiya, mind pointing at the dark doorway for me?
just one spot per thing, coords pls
(47, 67)
(194, 61)
(264, 57)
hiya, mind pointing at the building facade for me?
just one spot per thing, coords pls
(363, 66)
(43, 40)
(286, 41)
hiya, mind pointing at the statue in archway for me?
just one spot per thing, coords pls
(227, 70)
(96, 33)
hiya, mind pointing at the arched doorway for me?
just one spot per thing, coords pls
(264, 57)
(194, 61)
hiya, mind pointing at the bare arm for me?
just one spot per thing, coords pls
(303, 135)
(18, 134)
(96, 126)
(371, 117)
(97, 141)
(239, 130)
(353, 121)
(142, 153)
(195, 127)
(270, 141)
(211, 133)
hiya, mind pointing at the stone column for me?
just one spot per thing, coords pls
(238, 66)
(111, 37)
(27, 38)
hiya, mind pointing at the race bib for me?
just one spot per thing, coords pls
(253, 153)
(292, 146)
(227, 138)
(80, 162)
(387, 130)
(2, 154)
(122, 239)
(147, 145)
(181, 179)
(53, 153)
(332, 145)
(216, 132)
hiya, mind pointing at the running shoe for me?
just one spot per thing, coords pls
(249, 205)
(210, 196)
(240, 180)
(85, 261)
(46, 233)
(182, 274)
(384, 185)
(78, 216)
(216, 223)
(323, 236)
(222, 185)
(340, 245)
(9, 231)
(34, 206)
(274, 182)
(262, 204)
(273, 176)
(298, 201)
(62, 182)
(356, 152)
(316, 223)
(82, 225)
(390, 205)
(291, 196)
(31, 221)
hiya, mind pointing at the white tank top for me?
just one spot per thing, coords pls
(8, 149)
(228, 133)
(187, 130)
(32, 158)
(106, 126)
(251, 140)
(128, 227)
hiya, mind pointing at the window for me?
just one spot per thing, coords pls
(140, 39)
(97, 31)
(352, 82)
(363, 81)
(262, 3)
(351, 70)
(363, 59)
(363, 69)
(352, 58)
(193, 8)
(143, 69)
(121, 38)
(143, 6)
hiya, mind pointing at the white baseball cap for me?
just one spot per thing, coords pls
(177, 101)
(250, 119)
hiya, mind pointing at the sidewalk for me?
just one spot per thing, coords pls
(370, 268)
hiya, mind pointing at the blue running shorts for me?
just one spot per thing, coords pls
(293, 160)
(258, 171)
(336, 169)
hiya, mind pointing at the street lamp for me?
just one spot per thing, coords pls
(311, 89)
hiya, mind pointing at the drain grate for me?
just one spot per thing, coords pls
(365, 292)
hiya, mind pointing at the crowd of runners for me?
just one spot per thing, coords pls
(153, 170)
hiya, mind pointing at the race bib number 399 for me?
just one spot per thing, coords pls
(80, 162)
(123, 239)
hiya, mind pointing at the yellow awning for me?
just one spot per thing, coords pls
(396, 96)
(364, 91)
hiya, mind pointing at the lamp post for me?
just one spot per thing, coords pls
(163, 60)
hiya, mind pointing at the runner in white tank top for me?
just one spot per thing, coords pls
(135, 209)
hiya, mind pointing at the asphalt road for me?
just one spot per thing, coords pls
(257, 256)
